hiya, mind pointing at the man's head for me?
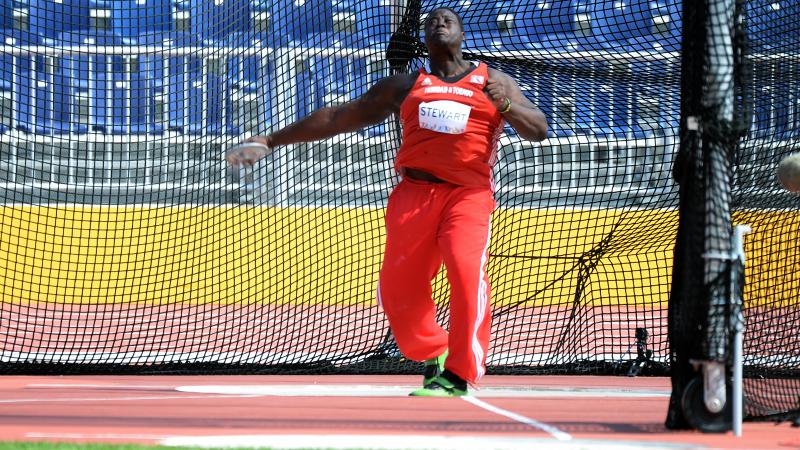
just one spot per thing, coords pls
(444, 28)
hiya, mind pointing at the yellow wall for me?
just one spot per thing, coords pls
(249, 254)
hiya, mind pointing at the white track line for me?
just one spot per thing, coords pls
(113, 399)
(372, 442)
(93, 436)
(100, 386)
(363, 390)
(551, 430)
(411, 442)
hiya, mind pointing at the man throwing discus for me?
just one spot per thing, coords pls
(452, 113)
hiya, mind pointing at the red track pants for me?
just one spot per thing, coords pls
(427, 224)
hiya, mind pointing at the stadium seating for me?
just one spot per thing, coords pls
(494, 41)
(643, 24)
(216, 19)
(479, 16)
(772, 24)
(49, 18)
(198, 96)
(567, 90)
(621, 20)
(302, 20)
(104, 82)
(20, 15)
(249, 83)
(132, 18)
(542, 19)
(6, 15)
(175, 84)
(772, 29)
(37, 86)
(18, 77)
(373, 20)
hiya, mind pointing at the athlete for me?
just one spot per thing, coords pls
(452, 113)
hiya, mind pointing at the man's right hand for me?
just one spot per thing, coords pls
(249, 155)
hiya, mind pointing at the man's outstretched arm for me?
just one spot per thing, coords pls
(378, 103)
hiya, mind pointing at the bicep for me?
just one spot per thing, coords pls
(373, 107)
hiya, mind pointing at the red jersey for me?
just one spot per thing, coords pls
(450, 130)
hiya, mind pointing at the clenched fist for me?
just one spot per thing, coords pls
(497, 91)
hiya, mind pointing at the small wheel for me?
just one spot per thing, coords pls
(698, 416)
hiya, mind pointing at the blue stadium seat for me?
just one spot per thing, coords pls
(6, 15)
(37, 86)
(620, 20)
(567, 91)
(216, 19)
(280, 15)
(373, 20)
(763, 101)
(175, 84)
(19, 76)
(131, 18)
(655, 104)
(244, 72)
(105, 80)
(772, 27)
(479, 16)
(301, 21)
(316, 17)
(327, 77)
(638, 21)
(249, 81)
(49, 18)
(772, 24)
(494, 41)
(541, 19)
(430, 5)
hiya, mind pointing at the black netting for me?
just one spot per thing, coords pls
(128, 244)
(771, 346)
(729, 151)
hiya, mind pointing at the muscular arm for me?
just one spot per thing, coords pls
(527, 119)
(378, 103)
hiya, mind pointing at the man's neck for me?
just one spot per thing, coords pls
(446, 65)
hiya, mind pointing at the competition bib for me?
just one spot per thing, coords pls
(444, 116)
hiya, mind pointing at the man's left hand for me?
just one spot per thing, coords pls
(497, 91)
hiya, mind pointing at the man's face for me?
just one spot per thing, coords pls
(442, 28)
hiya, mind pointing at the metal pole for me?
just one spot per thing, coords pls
(718, 98)
(737, 265)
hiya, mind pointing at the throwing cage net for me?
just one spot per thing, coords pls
(129, 246)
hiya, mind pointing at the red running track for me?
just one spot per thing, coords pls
(148, 409)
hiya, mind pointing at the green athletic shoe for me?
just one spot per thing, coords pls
(433, 368)
(445, 385)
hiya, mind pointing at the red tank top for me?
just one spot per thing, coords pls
(450, 130)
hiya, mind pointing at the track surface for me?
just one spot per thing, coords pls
(328, 411)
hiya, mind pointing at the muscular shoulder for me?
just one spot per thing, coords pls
(390, 92)
(398, 86)
(496, 74)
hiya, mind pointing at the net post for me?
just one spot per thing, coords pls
(718, 100)
(738, 325)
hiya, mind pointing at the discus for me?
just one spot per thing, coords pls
(248, 170)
